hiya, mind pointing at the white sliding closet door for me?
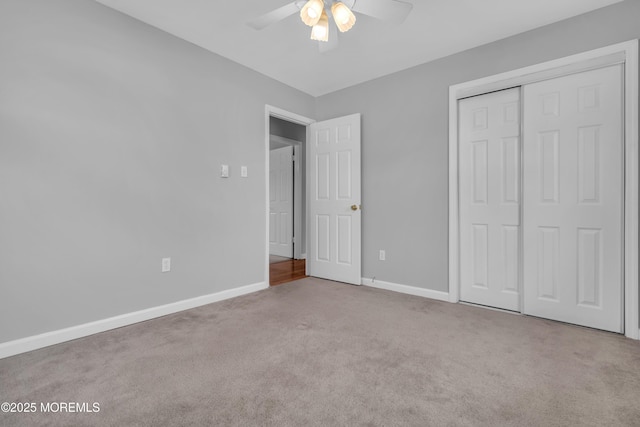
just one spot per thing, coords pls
(490, 199)
(573, 199)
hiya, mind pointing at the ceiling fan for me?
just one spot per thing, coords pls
(315, 13)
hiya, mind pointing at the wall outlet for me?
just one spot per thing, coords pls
(243, 171)
(166, 265)
(383, 255)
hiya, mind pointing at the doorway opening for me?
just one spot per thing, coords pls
(331, 240)
(286, 196)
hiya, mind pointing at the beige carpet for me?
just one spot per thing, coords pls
(320, 353)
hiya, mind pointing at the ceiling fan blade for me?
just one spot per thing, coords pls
(388, 10)
(333, 39)
(274, 16)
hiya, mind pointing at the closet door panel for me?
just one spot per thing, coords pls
(490, 199)
(573, 199)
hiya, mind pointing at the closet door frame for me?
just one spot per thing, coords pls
(625, 53)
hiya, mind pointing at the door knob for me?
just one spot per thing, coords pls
(354, 207)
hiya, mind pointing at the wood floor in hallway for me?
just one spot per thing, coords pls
(286, 271)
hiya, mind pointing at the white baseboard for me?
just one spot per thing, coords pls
(35, 342)
(404, 289)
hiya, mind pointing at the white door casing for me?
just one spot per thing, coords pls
(334, 194)
(573, 199)
(489, 153)
(281, 202)
(272, 111)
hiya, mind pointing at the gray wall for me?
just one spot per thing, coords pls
(112, 133)
(295, 132)
(111, 138)
(287, 129)
(405, 139)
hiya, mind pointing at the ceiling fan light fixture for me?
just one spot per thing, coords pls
(343, 16)
(312, 12)
(320, 31)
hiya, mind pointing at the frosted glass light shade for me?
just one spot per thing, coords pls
(320, 31)
(343, 16)
(311, 12)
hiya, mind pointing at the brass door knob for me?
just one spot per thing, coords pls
(354, 207)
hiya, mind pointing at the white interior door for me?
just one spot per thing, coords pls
(489, 133)
(573, 197)
(334, 200)
(281, 202)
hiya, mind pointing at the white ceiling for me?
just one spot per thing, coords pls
(373, 48)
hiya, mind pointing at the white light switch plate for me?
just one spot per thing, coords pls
(224, 171)
(166, 265)
(243, 171)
